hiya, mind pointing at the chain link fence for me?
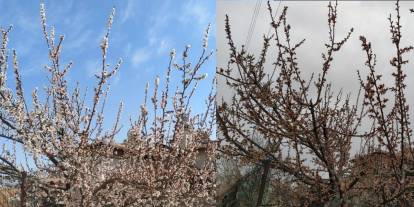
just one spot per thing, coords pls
(245, 191)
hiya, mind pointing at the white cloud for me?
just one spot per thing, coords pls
(164, 45)
(128, 12)
(78, 41)
(140, 56)
(196, 11)
(155, 46)
(159, 19)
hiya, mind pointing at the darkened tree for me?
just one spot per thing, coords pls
(300, 126)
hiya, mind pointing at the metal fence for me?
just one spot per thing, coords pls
(245, 191)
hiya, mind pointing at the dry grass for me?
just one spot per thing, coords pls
(7, 196)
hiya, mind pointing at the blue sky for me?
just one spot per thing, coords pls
(143, 34)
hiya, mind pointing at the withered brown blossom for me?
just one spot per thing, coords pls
(300, 127)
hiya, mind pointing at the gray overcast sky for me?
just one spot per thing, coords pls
(308, 19)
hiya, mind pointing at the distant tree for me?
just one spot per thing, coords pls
(72, 160)
(283, 121)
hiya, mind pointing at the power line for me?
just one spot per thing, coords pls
(254, 19)
(253, 23)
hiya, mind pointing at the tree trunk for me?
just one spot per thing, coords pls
(266, 168)
(23, 190)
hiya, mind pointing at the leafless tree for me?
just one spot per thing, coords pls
(300, 126)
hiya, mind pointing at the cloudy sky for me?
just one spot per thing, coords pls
(308, 20)
(143, 34)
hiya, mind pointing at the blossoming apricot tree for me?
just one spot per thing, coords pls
(73, 160)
